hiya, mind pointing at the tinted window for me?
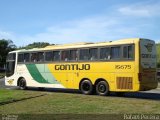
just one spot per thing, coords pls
(56, 55)
(34, 57)
(48, 56)
(115, 52)
(104, 53)
(10, 64)
(10, 68)
(93, 53)
(65, 55)
(84, 54)
(40, 56)
(125, 52)
(26, 57)
(20, 58)
(11, 56)
(73, 54)
(128, 52)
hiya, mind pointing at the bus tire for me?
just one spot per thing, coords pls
(41, 88)
(86, 87)
(102, 88)
(22, 84)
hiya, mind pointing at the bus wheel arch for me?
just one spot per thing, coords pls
(86, 86)
(21, 83)
(102, 87)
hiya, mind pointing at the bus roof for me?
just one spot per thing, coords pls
(80, 45)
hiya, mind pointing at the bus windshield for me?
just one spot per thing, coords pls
(10, 64)
(148, 53)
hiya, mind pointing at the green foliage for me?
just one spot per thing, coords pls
(5, 47)
(35, 45)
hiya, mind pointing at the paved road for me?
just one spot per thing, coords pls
(152, 94)
(2, 83)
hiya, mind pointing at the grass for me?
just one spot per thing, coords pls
(8, 96)
(32, 102)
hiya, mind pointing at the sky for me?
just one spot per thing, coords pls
(70, 21)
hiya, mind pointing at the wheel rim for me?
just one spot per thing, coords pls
(86, 87)
(22, 84)
(101, 88)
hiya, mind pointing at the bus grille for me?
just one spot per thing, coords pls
(124, 83)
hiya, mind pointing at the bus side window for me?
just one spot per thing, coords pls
(34, 57)
(48, 56)
(125, 52)
(65, 55)
(40, 57)
(73, 55)
(128, 52)
(93, 53)
(26, 57)
(115, 52)
(56, 55)
(104, 53)
(20, 57)
(84, 54)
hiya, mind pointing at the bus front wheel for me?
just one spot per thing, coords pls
(22, 84)
(86, 87)
(102, 88)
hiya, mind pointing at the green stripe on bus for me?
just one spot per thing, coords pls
(35, 73)
(45, 72)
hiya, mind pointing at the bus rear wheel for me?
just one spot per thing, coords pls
(102, 88)
(86, 87)
(22, 84)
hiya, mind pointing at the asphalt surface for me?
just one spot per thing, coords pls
(152, 94)
(2, 83)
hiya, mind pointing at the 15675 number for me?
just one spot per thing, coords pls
(122, 66)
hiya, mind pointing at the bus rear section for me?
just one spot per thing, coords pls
(147, 71)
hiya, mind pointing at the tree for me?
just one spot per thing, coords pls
(5, 47)
(35, 45)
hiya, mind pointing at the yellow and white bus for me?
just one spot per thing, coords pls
(127, 65)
